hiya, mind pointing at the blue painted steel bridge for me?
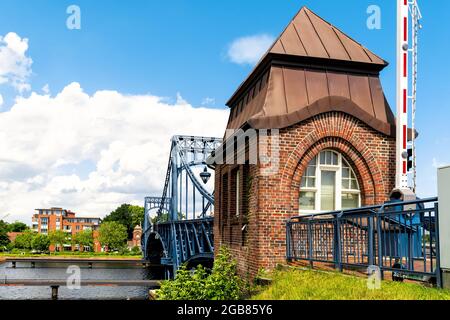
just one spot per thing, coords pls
(178, 226)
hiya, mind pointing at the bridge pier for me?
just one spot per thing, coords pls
(55, 292)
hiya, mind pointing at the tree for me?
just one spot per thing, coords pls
(127, 215)
(24, 240)
(112, 234)
(40, 242)
(4, 239)
(4, 226)
(17, 227)
(137, 216)
(84, 238)
(58, 237)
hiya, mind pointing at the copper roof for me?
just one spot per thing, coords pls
(308, 35)
(312, 68)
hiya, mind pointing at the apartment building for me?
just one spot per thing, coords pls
(47, 220)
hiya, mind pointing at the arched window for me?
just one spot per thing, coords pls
(329, 183)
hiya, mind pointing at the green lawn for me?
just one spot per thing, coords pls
(319, 285)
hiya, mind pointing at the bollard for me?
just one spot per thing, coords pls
(55, 292)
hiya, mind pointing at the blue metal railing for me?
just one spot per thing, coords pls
(399, 237)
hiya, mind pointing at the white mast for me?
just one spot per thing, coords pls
(415, 26)
(401, 180)
(404, 8)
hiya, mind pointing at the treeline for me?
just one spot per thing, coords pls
(115, 229)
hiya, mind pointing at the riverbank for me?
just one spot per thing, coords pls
(4, 256)
(320, 285)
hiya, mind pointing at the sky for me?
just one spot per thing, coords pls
(86, 115)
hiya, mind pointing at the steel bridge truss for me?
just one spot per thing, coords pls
(186, 240)
(182, 226)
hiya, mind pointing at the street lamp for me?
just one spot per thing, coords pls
(205, 175)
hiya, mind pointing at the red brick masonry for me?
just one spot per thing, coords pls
(267, 201)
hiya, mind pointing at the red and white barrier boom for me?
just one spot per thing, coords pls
(408, 14)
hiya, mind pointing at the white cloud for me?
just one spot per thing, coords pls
(208, 101)
(125, 138)
(15, 66)
(1, 100)
(250, 49)
(46, 89)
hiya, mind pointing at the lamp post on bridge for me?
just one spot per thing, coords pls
(205, 175)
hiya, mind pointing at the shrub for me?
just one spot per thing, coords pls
(222, 283)
(24, 240)
(135, 251)
(40, 242)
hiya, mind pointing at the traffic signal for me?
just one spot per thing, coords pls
(410, 159)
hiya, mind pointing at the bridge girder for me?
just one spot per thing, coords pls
(188, 233)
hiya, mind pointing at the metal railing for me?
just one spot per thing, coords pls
(398, 237)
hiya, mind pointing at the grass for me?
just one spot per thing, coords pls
(319, 285)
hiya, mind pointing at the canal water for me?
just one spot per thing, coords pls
(58, 271)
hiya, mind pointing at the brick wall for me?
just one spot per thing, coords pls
(273, 199)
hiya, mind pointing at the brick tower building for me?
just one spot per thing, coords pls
(322, 90)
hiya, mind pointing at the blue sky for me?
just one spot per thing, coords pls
(169, 48)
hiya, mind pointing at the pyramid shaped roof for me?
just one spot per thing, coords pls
(308, 35)
(312, 68)
(311, 40)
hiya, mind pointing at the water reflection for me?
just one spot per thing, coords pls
(99, 271)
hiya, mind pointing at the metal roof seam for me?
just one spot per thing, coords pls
(284, 90)
(300, 38)
(317, 33)
(353, 40)
(343, 46)
(371, 96)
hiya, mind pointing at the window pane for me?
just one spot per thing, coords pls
(311, 182)
(328, 190)
(303, 183)
(307, 200)
(345, 183)
(322, 158)
(354, 185)
(335, 159)
(350, 201)
(345, 173)
(311, 171)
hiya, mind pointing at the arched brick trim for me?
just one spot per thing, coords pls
(359, 165)
(334, 130)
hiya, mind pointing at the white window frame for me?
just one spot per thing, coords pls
(338, 184)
